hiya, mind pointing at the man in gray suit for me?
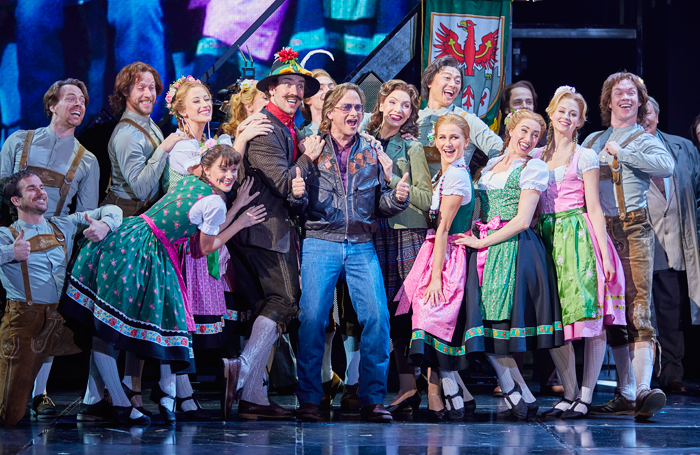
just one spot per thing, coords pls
(673, 209)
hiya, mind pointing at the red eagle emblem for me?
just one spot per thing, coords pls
(467, 54)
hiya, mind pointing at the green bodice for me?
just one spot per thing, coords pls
(170, 213)
(501, 202)
(463, 219)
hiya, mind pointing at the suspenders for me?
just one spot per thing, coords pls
(49, 177)
(613, 173)
(41, 242)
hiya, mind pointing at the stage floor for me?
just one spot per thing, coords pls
(676, 430)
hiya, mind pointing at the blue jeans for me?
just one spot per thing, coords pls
(322, 264)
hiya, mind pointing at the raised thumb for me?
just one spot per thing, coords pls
(88, 219)
(404, 178)
(20, 236)
(298, 173)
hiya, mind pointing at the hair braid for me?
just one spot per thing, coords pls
(550, 140)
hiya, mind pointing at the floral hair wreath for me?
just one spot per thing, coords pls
(172, 91)
(207, 145)
(248, 84)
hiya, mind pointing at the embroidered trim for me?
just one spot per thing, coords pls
(233, 315)
(123, 328)
(524, 332)
(443, 347)
(209, 329)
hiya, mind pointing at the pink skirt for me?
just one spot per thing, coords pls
(206, 293)
(611, 296)
(440, 320)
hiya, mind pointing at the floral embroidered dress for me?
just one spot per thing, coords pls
(587, 301)
(517, 287)
(439, 334)
(129, 288)
(204, 275)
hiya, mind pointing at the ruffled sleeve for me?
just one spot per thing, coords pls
(225, 139)
(184, 155)
(457, 182)
(535, 176)
(208, 214)
(587, 160)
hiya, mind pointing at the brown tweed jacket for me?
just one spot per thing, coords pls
(270, 161)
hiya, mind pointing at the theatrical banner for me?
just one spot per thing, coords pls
(475, 32)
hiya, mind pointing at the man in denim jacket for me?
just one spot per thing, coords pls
(346, 194)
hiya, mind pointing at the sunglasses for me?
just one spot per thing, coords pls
(346, 108)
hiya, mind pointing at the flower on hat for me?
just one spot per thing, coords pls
(286, 54)
(172, 91)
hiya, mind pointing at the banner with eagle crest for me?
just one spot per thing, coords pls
(475, 32)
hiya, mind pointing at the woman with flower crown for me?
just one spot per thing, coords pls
(591, 281)
(191, 103)
(244, 108)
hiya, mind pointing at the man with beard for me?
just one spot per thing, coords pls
(629, 159)
(65, 168)
(136, 149)
(34, 253)
(265, 256)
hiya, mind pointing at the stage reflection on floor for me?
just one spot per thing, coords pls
(675, 430)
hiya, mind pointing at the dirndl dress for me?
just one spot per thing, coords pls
(129, 290)
(443, 335)
(517, 285)
(587, 301)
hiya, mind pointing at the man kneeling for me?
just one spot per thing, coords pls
(33, 260)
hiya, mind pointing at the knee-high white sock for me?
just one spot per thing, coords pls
(184, 390)
(565, 360)
(254, 360)
(594, 352)
(504, 364)
(465, 392)
(642, 356)
(326, 367)
(167, 385)
(103, 354)
(133, 369)
(518, 377)
(352, 354)
(43, 377)
(95, 390)
(450, 387)
(625, 372)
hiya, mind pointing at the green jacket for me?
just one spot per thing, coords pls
(408, 156)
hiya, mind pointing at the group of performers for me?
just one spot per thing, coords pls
(549, 242)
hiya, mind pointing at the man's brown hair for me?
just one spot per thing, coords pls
(52, 95)
(333, 97)
(606, 96)
(128, 76)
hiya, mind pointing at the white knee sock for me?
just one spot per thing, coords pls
(504, 365)
(95, 390)
(42, 377)
(326, 367)
(565, 360)
(642, 356)
(450, 387)
(465, 393)
(184, 390)
(254, 360)
(133, 369)
(352, 354)
(167, 385)
(107, 365)
(625, 372)
(594, 353)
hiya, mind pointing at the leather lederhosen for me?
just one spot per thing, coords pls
(41, 242)
(49, 177)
